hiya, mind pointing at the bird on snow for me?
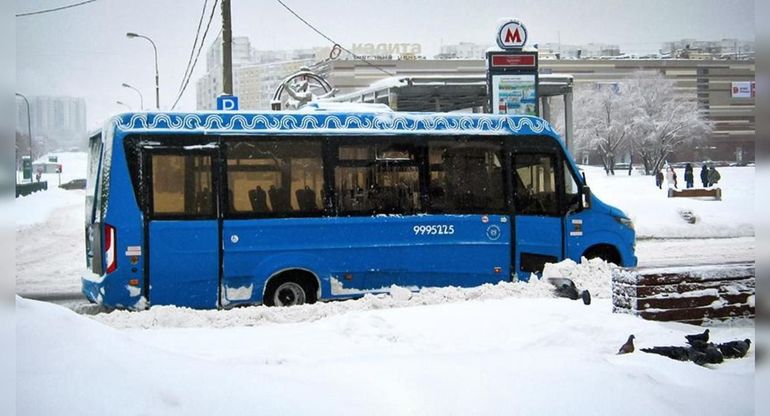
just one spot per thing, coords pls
(675, 353)
(707, 354)
(735, 349)
(698, 337)
(628, 346)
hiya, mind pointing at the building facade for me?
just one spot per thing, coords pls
(708, 82)
(57, 123)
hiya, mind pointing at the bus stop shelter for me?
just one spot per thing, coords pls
(453, 93)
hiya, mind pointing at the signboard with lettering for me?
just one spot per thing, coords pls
(743, 89)
(227, 103)
(511, 35)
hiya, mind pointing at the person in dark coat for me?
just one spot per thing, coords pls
(659, 179)
(704, 175)
(714, 176)
(688, 176)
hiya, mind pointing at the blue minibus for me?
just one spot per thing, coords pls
(219, 209)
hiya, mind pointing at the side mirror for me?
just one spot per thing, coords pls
(586, 195)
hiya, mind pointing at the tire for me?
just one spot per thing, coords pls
(288, 291)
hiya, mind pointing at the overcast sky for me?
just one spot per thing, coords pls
(83, 51)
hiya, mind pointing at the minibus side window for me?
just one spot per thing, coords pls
(535, 184)
(181, 186)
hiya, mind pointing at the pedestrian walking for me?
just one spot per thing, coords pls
(704, 175)
(659, 179)
(714, 176)
(688, 175)
(671, 177)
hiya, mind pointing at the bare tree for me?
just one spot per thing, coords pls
(602, 115)
(664, 120)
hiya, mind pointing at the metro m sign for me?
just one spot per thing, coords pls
(511, 35)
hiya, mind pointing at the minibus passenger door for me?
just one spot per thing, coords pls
(576, 203)
(538, 221)
(182, 227)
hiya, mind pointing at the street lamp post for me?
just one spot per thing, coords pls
(122, 103)
(141, 99)
(29, 126)
(131, 35)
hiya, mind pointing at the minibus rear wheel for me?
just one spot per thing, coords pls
(289, 289)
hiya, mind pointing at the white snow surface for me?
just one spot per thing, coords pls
(480, 357)
(655, 215)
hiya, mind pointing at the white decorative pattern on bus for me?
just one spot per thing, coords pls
(383, 122)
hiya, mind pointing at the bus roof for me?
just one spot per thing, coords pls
(329, 122)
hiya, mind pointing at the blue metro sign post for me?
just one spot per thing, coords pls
(512, 73)
(227, 103)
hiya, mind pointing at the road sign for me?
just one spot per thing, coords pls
(227, 103)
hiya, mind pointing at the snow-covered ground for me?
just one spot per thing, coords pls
(510, 348)
(481, 357)
(656, 215)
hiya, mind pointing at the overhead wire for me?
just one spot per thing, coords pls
(332, 40)
(197, 55)
(55, 9)
(195, 43)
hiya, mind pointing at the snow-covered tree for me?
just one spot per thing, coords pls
(602, 115)
(663, 121)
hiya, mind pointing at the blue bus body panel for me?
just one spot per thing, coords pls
(599, 227)
(354, 255)
(539, 235)
(184, 263)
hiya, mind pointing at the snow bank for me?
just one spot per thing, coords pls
(594, 275)
(656, 215)
(505, 356)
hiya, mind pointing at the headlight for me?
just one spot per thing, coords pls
(625, 221)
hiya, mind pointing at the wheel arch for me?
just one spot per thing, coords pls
(605, 251)
(306, 275)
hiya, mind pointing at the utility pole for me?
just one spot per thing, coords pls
(227, 53)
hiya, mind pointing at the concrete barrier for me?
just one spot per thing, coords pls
(24, 189)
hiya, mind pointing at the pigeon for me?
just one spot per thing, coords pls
(675, 353)
(628, 346)
(566, 288)
(735, 349)
(698, 337)
(707, 355)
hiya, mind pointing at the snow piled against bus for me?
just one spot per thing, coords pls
(593, 275)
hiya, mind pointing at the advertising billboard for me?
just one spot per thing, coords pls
(514, 94)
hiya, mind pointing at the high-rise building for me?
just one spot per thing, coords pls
(256, 74)
(57, 122)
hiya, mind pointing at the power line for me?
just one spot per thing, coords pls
(55, 9)
(332, 40)
(195, 43)
(198, 54)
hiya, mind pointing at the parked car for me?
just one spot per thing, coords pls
(74, 184)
